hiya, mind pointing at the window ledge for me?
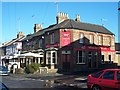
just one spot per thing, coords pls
(80, 63)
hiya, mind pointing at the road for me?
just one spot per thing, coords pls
(36, 81)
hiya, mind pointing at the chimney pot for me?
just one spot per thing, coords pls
(20, 34)
(37, 27)
(61, 17)
(77, 18)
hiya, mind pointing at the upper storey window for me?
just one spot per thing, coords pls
(52, 38)
(91, 39)
(107, 41)
(100, 40)
(81, 38)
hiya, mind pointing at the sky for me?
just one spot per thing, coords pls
(21, 16)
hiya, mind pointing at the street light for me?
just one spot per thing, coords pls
(118, 8)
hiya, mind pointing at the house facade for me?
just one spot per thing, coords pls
(117, 49)
(72, 45)
(11, 50)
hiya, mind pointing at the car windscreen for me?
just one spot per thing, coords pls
(3, 68)
(96, 75)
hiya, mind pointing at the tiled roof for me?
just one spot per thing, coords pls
(71, 24)
(40, 32)
(12, 41)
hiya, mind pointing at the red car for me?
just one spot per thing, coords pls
(108, 79)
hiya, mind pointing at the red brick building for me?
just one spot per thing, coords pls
(72, 44)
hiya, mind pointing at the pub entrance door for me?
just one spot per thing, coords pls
(66, 62)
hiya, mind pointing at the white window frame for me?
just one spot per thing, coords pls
(49, 57)
(78, 57)
(54, 57)
(100, 40)
(91, 39)
(109, 41)
(81, 38)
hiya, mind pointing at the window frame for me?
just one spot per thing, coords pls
(103, 59)
(91, 39)
(82, 57)
(109, 58)
(54, 58)
(49, 57)
(52, 41)
(81, 38)
(100, 40)
(40, 42)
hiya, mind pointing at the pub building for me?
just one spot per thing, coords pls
(71, 45)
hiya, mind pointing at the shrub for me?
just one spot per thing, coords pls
(32, 68)
(35, 66)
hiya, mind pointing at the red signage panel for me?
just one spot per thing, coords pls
(94, 48)
(19, 45)
(52, 45)
(65, 38)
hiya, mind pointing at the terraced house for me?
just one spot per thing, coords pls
(71, 45)
(11, 50)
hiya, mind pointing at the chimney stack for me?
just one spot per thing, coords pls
(61, 17)
(77, 18)
(37, 27)
(20, 34)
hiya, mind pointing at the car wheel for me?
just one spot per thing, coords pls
(96, 87)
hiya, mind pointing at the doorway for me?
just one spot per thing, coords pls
(66, 62)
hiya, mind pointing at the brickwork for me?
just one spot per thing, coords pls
(71, 45)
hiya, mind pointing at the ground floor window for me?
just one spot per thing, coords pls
(80, 57)
(109, 58)
(51, 57)
(89, 59)
(54, 57)
(102, 58)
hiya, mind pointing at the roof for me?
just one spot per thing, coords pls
(12, 41)
(40, 32)
(71, 24)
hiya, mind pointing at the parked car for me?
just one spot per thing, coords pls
(108, 79)
(4, 70)
(3, 86)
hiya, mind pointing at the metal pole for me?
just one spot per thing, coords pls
(56, 6)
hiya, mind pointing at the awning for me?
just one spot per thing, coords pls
(29, 54)
(13, 56)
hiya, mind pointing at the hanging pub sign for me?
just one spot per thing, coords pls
(65, 38)
(19, 45)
